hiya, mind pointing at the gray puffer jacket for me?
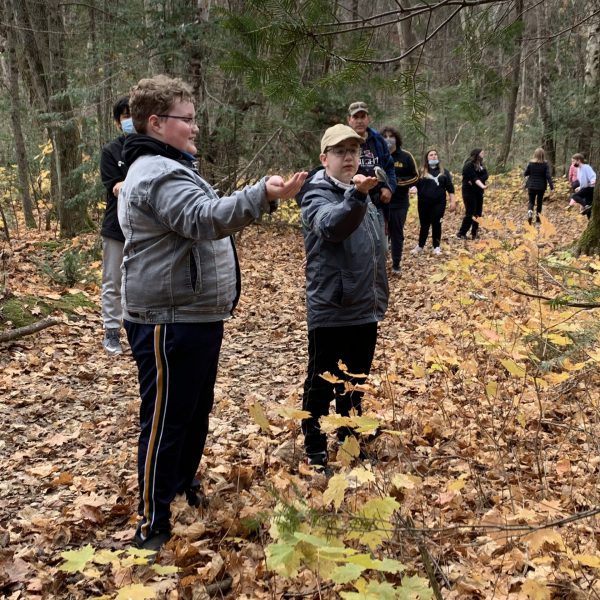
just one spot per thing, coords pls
(179, 260)
(346, 281)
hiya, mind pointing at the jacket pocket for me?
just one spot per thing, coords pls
(349, 286)
(195, 271)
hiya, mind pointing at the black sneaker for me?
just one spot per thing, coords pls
(586, 209)
(196, 498)
(154, 541)
(461, 236)
(318, 461)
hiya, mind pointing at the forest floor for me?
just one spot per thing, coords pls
(487, 401)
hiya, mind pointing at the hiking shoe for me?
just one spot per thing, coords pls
(396, 270)
(461, 236)
(530, 216)
(196, 499)
(155, 541)
(111, 342)
(586, 209)
(437, 250)
(416, 250)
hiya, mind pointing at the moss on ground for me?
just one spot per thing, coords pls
(25, 310)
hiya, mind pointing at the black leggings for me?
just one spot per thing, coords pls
(431, 214)
(536, 197)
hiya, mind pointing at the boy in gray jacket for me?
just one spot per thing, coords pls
(346, 282)
(180, 282)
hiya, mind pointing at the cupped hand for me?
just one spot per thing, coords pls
(363, 183)
(278, 187)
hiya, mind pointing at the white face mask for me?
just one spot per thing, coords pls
(127, 125)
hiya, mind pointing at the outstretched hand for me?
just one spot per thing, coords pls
(363, 183)
(277, 187)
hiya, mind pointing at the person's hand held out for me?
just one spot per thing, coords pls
(277, 187)
(363, 184)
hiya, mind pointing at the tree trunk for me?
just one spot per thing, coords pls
(548, 141)
(45, 57)
(12, 76)
(514, 92)
(589, 242)
(591, 84)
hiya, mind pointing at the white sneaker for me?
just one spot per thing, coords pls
(416, 250)
(437, 250)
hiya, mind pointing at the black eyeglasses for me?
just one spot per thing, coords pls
(187, 120)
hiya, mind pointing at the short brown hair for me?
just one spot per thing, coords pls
(580, 157)
(156, 96)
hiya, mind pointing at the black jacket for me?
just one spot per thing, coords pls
(433, 187)
(538, 176)
(406, 175)
(470, 174)
(112, 170)
(346, 281)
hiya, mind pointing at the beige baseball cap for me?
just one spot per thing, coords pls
(338, 133)
(356, 107)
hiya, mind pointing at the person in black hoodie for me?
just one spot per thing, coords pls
(435, 182)
(538, 177)
(373, 153)
(474, 178)
(406, 175)
(112, 172)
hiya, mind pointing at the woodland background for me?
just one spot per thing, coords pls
(483, 480)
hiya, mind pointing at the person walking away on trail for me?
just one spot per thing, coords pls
(346, 283)
(112, 172)
(433, 186)
(180, 283)
(538, 177)
(373, 152)
(474, 178)
(586, 179)
(405, 168)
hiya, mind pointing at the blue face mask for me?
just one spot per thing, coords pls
(127, 125)
(391, 143)
(433, 163)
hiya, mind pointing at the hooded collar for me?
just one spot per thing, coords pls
(138, 144)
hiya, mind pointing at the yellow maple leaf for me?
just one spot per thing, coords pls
(588, 560)
(544, 537)
(258, 414)
(536, 590)
(334, 494)
(327, 376)
(136, 591)
(513, 368)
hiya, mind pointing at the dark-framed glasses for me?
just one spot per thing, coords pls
(341, 152)
(187, 120)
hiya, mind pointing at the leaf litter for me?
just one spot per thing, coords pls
(487, 401)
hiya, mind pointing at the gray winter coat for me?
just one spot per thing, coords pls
(179, 262)
(346, 281)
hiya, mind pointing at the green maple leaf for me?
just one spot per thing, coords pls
(165, 569)
(346, 573)
(414, 588)
(76, 559)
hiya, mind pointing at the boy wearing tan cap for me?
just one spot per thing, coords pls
(346, 282)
